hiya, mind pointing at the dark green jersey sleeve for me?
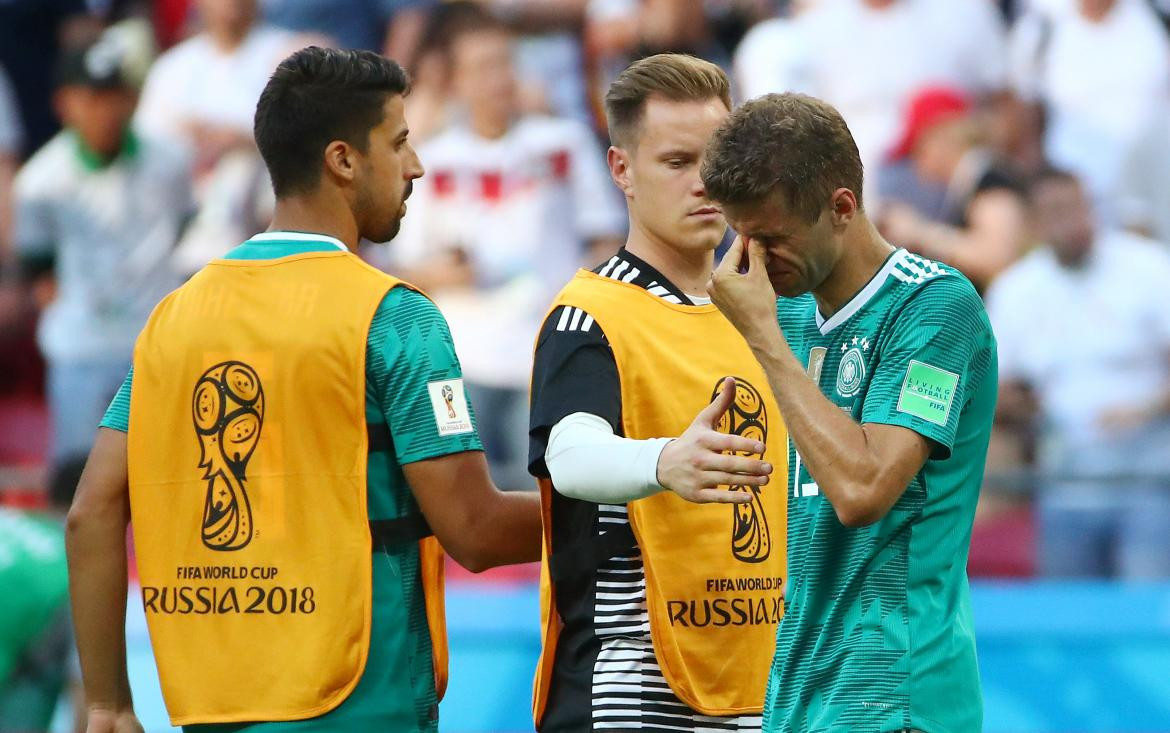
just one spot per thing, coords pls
(117, 415)
(414, 375)
(937, 351)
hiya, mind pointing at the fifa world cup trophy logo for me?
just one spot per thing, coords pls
(228, 410)
(751, 540)
(449, 398)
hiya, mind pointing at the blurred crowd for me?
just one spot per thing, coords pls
(1027, 143)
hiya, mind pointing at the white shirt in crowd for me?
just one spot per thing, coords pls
(1144, 201)
(196, 81)
(869, 63)
(112, 231)
(1088, 340)
(1101, 83)
(522, 208)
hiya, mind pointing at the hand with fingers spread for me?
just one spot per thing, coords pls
(747, 299)
(702, 459)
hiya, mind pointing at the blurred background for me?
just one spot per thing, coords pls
(1025, 142)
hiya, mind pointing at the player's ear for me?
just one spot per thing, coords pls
(619, 168)
(340, 160)
(843, 207)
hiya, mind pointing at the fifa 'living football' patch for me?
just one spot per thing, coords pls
(450, 406)
(928, 392)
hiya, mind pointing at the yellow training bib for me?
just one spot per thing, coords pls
(247, 463)
(714, 572)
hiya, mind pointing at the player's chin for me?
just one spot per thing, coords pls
(707, 237)
(390, 231)
(714, 226)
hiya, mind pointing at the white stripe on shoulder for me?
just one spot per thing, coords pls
(617, 271)
(914, 270)
(608, 266)
(572, 319)
(565, 313)
(633, 273)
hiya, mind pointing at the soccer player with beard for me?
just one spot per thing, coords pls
(884, 365)
(291, 441)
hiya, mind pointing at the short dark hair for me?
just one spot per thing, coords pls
(793, 143)
(315, 96)
(471, 18)
(449, 21)
(673, 76)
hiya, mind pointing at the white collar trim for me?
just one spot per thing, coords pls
(298, 237)
(863, 297)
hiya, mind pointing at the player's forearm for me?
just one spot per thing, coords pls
(511, 530)
(587, 461)
(833, 447)
(96, 546)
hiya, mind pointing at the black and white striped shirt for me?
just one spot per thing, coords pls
(606, 676)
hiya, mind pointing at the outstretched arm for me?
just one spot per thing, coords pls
(477, 524)
(587, 461)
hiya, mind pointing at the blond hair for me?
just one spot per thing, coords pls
(673, 76)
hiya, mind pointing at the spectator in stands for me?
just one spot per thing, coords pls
(99, 208)
(869, 57)
(508, 209)
(1144, 203)
(202, 95)
(944, 195)
(768, 55)
(390, 27)
(622, 28)
(10, 142)
(19, 364)
(550, 58)
(620, 31)
(1083, 324)
(429, 104)
(1101, 71)
(32, 34)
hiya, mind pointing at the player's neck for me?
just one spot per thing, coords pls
(688, 271)
(864, 253)
(311, 214)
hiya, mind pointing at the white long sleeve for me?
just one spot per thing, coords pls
(587, 461)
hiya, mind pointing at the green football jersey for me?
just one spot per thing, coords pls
(877, 633)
